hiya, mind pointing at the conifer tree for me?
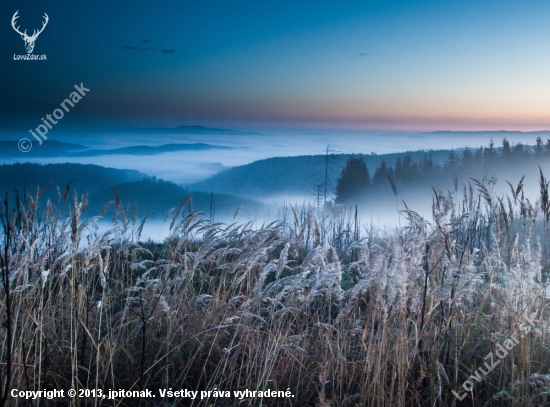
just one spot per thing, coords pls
(452, 161)
(354, 180)
(380, 176)
(467, 158)
(506, 150)
(490, 154)
(539, 148)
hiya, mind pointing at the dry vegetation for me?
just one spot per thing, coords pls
(339, 314)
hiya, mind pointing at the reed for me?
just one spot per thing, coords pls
(341, 315)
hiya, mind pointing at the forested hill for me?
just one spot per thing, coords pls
(307, 175)
(135, 191)
(158, 197)
(52, 148)
(10, 148)
(298, 174)
(27, 177)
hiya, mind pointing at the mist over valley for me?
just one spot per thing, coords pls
(257, 173)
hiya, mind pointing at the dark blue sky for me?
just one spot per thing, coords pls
(253, 64)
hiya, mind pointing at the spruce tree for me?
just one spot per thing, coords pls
(353, 182)
(490, 154)
(539, 148)
(506, 150)
(380, 176)
(467, 159)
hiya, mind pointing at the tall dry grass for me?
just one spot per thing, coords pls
(338, 314)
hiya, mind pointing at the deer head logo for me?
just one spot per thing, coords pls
(29, 40)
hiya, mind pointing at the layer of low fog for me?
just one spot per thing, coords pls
(186, 167)
(382, 209)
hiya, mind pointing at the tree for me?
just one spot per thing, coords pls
(380, 176)
(506, 153)
(452, 162)
(478, 157)
(354, 180)
(519, 152)
(427, 166)
(539, 148)
(326, 176)
(490, 154)
(467, 159)
(398, 171)
(407, 169)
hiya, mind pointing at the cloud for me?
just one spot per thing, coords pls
(149, 47)
(133, 47)
(152, 42)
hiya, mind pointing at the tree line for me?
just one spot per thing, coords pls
(355, 180)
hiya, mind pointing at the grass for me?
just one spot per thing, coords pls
(337, 314)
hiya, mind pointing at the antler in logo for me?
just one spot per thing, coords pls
(29, 40)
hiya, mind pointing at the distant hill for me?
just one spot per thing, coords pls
(194, 130)
(158, 197)
(148, 195)
(295, 174)
(92, 178)
(52, 148)
(49, 148)
(497, 135)
(148, 150)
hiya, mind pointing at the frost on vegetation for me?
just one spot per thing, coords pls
(299, 286)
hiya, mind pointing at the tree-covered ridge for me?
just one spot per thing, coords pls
(408, 174)
(295, 175)
(158, 197)
(89, 177)
(110, 189)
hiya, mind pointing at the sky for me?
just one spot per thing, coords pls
(388, 65)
